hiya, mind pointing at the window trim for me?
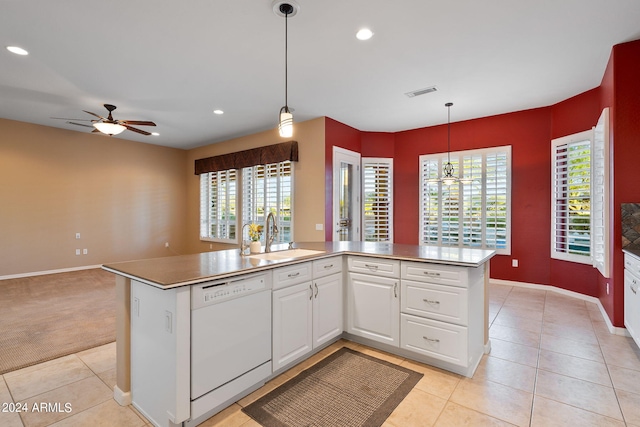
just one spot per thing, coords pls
(555, 143)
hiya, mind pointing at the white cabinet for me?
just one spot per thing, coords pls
(327, 308)
(631, 296)
(292, 323)
(440, 318)
(307, 313)
(373, 308)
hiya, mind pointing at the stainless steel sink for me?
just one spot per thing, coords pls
(287, 254)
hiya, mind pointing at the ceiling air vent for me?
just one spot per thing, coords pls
(421, 91)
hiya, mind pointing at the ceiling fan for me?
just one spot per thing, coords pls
(109, 125)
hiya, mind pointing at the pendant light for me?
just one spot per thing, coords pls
(285, 122)
(448, 178)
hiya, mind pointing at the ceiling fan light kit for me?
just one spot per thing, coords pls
(109, 128)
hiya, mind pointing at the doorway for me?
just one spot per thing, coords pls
(346, 195)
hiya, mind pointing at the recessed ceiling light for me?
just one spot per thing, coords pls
(364, 34)
(17, 50)
(155, 134)
(218, 112)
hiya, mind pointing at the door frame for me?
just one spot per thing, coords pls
(343, 155)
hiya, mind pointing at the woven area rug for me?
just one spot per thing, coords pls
(346, 389)
(54, 315)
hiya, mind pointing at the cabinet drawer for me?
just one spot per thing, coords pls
(436, 273)
(445, 303)
(435, 339)
(632, 264)
(377, 266)
(291, 275)
(325, 267)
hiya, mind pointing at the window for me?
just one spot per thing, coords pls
(218, 192)
(475, 214)
(269, 188)
(377, 184)
(571, 198)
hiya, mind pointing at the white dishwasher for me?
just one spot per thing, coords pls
(230, 339)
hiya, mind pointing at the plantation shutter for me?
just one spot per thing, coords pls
(600, 195)
(377, 184)
(218, 193)
(571, 193)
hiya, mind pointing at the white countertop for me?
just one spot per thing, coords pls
(182, 270)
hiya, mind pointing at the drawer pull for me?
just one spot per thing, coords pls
(395, 289)
(632, 290)
(311, 296)
(292, 275)
(431, 273)
(316, 285)
(328, 266)
(430, 301)
(431, 339)
(372, 267)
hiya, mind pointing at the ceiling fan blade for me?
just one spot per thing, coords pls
(66, 118)
(143, 132)
(94, 114)
(136, 122)
(80, 124)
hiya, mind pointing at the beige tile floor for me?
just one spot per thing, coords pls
(553, 363)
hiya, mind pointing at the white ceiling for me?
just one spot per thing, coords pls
(174, 62)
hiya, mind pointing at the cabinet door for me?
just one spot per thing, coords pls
(327, 308)
(292, 323)
(374, 308)
(631, 305)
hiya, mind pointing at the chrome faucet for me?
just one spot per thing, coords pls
(243, 243)
(268, 237)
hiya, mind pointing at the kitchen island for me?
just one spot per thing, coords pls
(426, 303)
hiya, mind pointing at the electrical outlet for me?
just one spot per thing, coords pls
(319, 227)
(77, 236)
(166, 244)
(77, 251)
(514, 263)
(85, 251)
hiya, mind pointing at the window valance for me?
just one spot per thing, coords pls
(242, 159)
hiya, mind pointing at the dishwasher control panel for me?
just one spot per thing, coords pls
(214, 292)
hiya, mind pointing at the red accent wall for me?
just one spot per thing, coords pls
(336, 135)
(576, 114)
(529, 133)
(624, 92)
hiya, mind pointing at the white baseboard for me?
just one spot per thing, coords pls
(42, 273)
(123, 398)
(613, 329)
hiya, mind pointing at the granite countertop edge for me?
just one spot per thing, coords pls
(184, 270)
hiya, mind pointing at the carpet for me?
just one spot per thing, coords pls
(346, 389)
(50, 316)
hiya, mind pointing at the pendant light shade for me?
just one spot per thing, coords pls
(285, 124)
(285, 119)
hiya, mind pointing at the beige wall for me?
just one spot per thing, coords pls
(308, 181)
(125, 198)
